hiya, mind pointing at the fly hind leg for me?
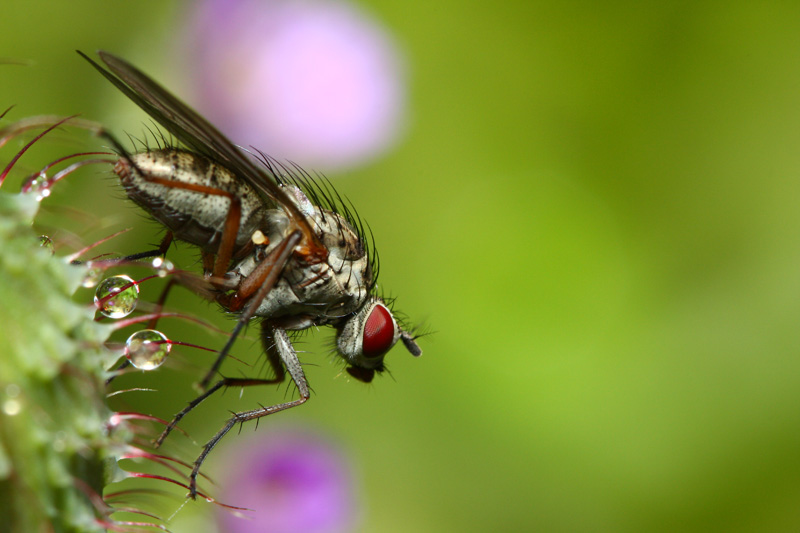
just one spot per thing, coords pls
(278, 347)
(282, 357)
(277, 370)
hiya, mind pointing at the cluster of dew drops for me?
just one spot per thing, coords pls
(116, 297)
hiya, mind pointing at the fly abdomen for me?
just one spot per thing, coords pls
(165, 183)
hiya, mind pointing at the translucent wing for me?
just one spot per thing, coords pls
(200, 135)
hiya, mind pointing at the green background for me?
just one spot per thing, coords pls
(594, 208)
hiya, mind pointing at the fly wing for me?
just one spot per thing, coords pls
(200, 135)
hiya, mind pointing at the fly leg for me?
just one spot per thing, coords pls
(161, 251)
(280, 347)
(277, 369)
(252, 291)
(255, 287)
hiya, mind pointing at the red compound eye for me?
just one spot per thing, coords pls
(378, 332)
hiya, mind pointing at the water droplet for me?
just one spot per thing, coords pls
(59, 442)
(47, 243)
(162, 266)
(147, 349)
(12, 407)
(93, 277)
(39, 186)
(114, 302)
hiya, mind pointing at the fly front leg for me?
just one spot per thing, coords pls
(252, 291)
(278, 345)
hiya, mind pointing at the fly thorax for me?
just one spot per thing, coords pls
(348, 261)
(190, 195)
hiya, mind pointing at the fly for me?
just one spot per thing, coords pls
(275, 245)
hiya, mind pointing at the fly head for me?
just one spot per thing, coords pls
(364, 338)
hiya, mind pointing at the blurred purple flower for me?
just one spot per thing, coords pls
(293, 480)
(315, 81)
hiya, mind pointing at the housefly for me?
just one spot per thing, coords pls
(276, 245)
